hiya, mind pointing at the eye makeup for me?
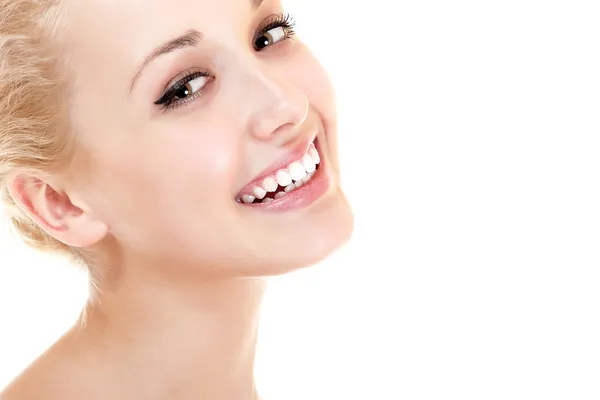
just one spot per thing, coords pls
(193, 84)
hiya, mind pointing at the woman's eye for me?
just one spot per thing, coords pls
(190, 87)
(270, 37)
(186, 90)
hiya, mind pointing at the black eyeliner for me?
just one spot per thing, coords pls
(168, 101)
(282, 20)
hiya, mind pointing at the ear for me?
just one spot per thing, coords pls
(54, 212)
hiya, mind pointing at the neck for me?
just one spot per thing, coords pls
(180, 339)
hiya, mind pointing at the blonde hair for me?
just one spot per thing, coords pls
(34, 136)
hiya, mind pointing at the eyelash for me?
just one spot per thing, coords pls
(285, 21)
(168, 101)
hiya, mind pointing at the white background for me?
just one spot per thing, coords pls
(470, 142)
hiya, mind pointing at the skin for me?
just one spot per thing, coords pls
(180, 265)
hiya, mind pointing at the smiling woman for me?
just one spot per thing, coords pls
(170, 152)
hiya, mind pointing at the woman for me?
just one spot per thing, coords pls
(182, 151)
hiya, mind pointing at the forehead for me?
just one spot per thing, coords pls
(107, 40)
(101, 28)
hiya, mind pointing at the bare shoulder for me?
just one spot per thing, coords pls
(35, 383)
(27, 386)
(45, 379)
(58, 374)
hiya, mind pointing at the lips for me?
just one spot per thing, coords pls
(284, 177)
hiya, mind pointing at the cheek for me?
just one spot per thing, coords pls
(202, 152)
(310, 77)
(173, 170)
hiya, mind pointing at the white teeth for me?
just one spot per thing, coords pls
(270, 184)
(283, 178)
(308, 177)
(297, 171)
(259, 192)
(297, 174)
(315, 155)
(247, 199)
(309, 163)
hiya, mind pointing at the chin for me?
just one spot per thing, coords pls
(279, 248)
(311, 245)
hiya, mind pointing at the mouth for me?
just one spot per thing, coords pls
(295, 182)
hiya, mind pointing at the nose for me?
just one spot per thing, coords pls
(278, 109)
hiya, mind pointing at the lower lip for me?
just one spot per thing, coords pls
(302, 197)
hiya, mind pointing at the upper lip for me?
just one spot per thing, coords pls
(294, 155)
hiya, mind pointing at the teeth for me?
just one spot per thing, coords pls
(309, 163)
(297, 171)
(248, 199)
(304, 180)
(283, 178)
(315, 155)
(259, 192)
(270, 184)
(297, 174)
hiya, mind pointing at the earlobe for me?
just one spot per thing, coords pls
(53, 211)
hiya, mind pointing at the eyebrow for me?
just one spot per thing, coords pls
(191, 38)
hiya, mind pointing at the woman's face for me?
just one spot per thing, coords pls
(187, 114)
